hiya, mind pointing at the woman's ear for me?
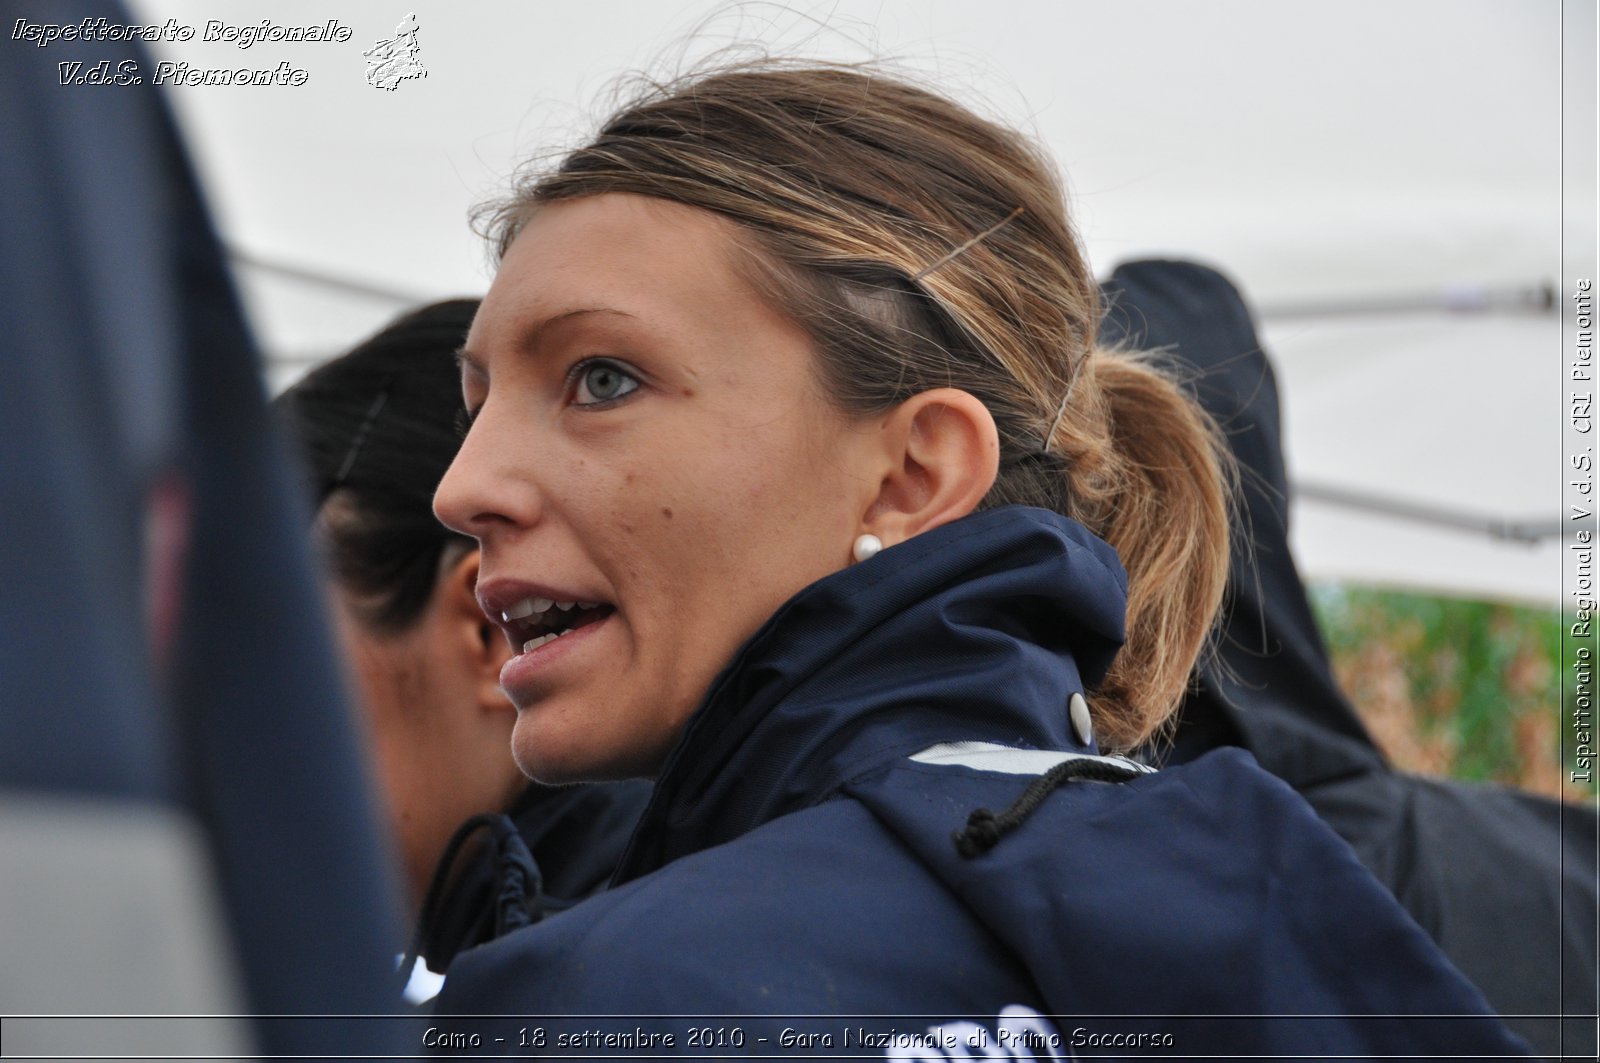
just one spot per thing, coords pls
(943, 454)
(483, 649)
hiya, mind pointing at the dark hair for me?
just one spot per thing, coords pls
(923, 246)
(379, 427)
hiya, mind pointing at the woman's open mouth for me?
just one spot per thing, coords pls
(533, 622)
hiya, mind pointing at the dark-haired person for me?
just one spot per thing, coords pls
(788, 385)
(378, 428)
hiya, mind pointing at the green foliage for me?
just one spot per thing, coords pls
(1471, 689)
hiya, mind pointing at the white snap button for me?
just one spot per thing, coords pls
(1078, 710)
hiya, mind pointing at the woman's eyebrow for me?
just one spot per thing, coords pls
(536, 333)
(467, 360)
(532, 336)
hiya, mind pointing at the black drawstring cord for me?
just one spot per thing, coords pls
(984, 828)
(510, 904)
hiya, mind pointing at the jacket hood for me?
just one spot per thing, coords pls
(981, 629)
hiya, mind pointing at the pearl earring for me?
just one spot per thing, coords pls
(866, 546)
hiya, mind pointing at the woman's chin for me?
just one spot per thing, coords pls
(555, 756)
(543, 763)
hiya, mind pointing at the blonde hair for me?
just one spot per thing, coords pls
(923, 246)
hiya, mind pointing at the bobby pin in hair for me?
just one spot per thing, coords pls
(1061, 411)
(996, 227)
(362, 433)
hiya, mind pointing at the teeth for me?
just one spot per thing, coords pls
(526, 607)
(537, 607)
(533, 644)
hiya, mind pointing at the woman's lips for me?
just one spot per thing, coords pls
(523, 676)
(529, 613)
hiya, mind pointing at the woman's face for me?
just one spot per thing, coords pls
(438, 744)
(651, 447)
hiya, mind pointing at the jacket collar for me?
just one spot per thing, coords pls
(981, 629)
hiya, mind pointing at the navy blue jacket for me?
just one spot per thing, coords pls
(795, 869)
(552, 848)
(1466, 860)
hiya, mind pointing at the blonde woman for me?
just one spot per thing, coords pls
(803, 488)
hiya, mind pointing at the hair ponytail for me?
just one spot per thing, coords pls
(1148, 471)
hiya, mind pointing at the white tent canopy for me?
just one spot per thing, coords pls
(1349, 158)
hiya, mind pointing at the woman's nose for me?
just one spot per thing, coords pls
(479, 493)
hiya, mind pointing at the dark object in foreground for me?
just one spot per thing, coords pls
(183, 810)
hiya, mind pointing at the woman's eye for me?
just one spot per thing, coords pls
(601, 382)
